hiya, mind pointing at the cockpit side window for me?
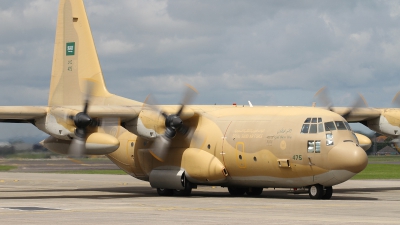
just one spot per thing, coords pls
(329, 126)
(340, 125)
(347, 125)
(305, 127)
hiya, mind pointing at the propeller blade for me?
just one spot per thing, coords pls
(160, 148)
(152, 104)
(396, 100)
(110, 125)
(173, 124)
(188, 96)
(358, 103)
(322, 97)
(88, 95)
(77, 148)
(81, 120)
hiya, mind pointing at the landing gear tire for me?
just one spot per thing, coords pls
(327, 193)
(185, 192)
(316, 191)
(235, 191)
(165, 192)
(253, 191)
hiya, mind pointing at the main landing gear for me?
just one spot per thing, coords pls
(252, 191)
(170, 192)
(317, 191)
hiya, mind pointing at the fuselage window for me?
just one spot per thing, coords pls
(317, 146)
(310, 146)
(330, 126)
(314, 146)
(329, 139)
(340, 125)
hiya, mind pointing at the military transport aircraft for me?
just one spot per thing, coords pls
(177, 148)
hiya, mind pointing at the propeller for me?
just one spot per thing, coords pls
(396, 139)
(82, 121)
(322, 96)
(396, 100)
(173, 125)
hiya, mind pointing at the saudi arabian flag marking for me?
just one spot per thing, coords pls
(71, 48)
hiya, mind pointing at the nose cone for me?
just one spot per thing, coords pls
(347, 156)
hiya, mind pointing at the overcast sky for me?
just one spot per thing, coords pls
(268, 52)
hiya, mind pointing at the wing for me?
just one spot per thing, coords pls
(21, 114)
(28, 114)
(124, 113)
(357, 114)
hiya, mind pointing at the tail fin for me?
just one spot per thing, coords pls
(75, 60)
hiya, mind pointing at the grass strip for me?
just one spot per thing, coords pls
(4, 168)
(113, 172)
(379, 171)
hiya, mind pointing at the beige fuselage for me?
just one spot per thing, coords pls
(250, 147)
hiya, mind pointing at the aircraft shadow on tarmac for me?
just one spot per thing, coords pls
(148, 192)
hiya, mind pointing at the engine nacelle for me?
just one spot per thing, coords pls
(388, 123)
(96, 144)
(50, 125)
(138, 127)
(364, 142)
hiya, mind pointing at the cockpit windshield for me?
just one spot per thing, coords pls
(330, 126)
(312, 125)
(340, 125)
(337, 125)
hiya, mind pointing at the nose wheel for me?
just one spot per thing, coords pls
(317, 191)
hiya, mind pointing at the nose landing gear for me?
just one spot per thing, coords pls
(317, 191)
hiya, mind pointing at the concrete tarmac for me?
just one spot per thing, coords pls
(40, 198)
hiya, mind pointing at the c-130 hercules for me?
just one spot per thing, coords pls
(176, 148)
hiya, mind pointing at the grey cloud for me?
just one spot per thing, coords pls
(270, 52)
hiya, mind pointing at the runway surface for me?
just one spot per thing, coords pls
(48, 198)
(36, 198)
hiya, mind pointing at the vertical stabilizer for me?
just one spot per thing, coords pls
(75, 60)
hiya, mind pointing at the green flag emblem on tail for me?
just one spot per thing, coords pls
(70, 48)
